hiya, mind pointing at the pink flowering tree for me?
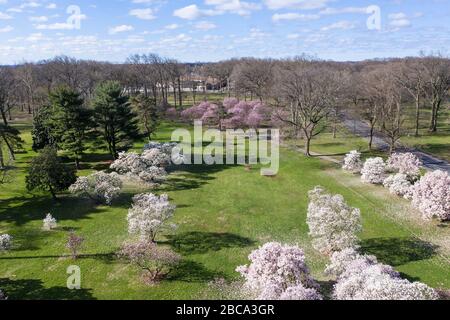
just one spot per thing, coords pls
(399, 184)
(333, 224)
(276, 272)
(405, 163)
(431, 195)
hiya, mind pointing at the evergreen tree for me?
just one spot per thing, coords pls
(71, 122)
(148, 113)
(114, 118)
(48, 173)
(43, 131)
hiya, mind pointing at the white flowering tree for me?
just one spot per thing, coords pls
(399, 184)
(431, 195)
(5, 242)
(333, 224)
(405, 163)
(149, 167)
(353, 162)
(278, 272)
(49, 223)
(373, 171)
(149, 215)
(361, 277)
(100, 186)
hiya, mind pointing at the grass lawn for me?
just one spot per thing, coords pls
(223, 213)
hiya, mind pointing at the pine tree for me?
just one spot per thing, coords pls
(148, 113)
(114, 118)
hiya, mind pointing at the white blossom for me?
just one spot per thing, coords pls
(399, 184)
(49, 223)
(100, 186)
(278, 271)
(405, 163)
(431, 195)
(5, 242)
(353, 162)
(333, 225)
(373, 171)
(148, 167)
(149, 215)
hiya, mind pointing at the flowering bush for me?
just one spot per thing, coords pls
(74, 244)
(3, 296)
(155, 261)
(100, 186)
(49, 223)
(373, 171)
(353, 162)
(333, 225)
(431, 195)
(278, 271)
(148, 167)
(399, 184)
(5, 242)
(361, 277)
(405, 163)
(149, 215)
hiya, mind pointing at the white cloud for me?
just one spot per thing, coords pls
(6, 29)
(144, 14)
(205, 25)
(294, 16)
(121, 28)
(341, 25)
(295, 4)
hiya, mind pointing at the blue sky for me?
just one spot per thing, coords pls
(211, 30)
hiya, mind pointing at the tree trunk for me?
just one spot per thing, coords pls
(180, 94)
(52, 193)
(307, 146)
(77, 163)
(372, 130)
(417, 115)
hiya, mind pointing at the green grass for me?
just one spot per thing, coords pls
(223, 213)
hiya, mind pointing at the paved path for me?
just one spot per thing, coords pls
(362, 129)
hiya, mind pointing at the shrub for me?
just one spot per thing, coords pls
(333, 225)
(3, 296)
(74, 244)
(149, 215)
(405, 163)
(353, 162)
(155, 261)
(431, 195)
(373, 171)
(275, 268)
(399, 184)
(49, 223)
(100, 187)
(5, 242)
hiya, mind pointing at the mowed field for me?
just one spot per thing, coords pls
(223, 213)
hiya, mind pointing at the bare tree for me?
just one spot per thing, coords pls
(309, 91)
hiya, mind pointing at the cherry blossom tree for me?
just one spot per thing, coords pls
(100, 186)
(333, 225)
(399, 184)
(49, 223)
(149, 215)
(431, 195)
(353, 162)
(374, 171)
(278, 271)
(74, 244)
(405, 163)
(5, 242)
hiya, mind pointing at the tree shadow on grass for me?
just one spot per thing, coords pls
(104, 257)
(22, 210)
(399, 251)
(32, 289)
(203, 242)
(191, 271)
